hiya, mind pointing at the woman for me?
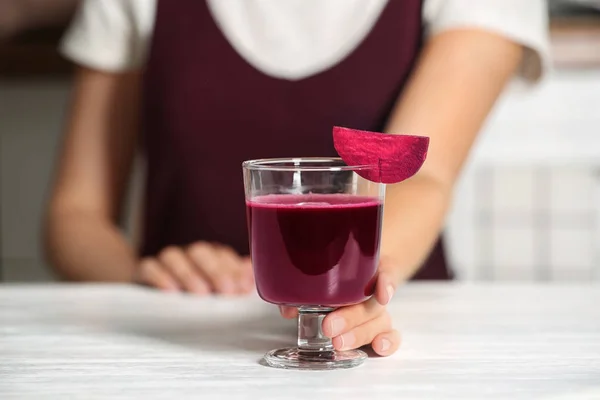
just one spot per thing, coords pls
(206, 85)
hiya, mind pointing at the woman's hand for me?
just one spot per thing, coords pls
(201, 268)
(366, 323)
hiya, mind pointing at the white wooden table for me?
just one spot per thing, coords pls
(460, 342)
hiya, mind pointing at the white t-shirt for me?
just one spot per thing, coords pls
(294, 39)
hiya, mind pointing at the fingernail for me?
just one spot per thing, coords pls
(347, 340)
(385, 345)
(336, 326)
(390, 292)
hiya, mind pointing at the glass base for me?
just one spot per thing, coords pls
(293, 358)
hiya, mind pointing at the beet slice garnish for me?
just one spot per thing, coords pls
(395, 157)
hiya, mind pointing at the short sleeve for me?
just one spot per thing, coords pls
(523, 21)
(110, 35)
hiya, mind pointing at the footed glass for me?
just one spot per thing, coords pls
(315, 230)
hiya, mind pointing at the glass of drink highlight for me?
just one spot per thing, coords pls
(315, 231)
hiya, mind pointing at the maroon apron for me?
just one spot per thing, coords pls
(206, 110)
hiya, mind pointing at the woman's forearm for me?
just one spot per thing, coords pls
(84, 247)
(412, 224)
(82, 239)
(458, 78)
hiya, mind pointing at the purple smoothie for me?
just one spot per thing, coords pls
(317, 249)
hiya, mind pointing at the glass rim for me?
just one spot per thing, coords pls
(302, 164)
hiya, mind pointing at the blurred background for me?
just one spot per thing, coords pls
(527, 207)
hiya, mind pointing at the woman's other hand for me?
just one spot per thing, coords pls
(201, 268)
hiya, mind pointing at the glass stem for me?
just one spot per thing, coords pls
(310, 331)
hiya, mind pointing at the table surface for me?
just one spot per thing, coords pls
(460, 342)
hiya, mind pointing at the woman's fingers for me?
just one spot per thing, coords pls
(384, 289)
(387, 278)
(363, 334)
(151, 273)
(248, 273)
(233, 265)
(367, 323)
(217, 265)
(347, 318)
(202, 268)
(209, 264)
(175, 261)
(288, 312)
(386, 343)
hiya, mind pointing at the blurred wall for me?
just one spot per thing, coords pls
(528, 206)
(31, 114)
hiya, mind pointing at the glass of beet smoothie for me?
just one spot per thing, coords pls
(315, 228)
